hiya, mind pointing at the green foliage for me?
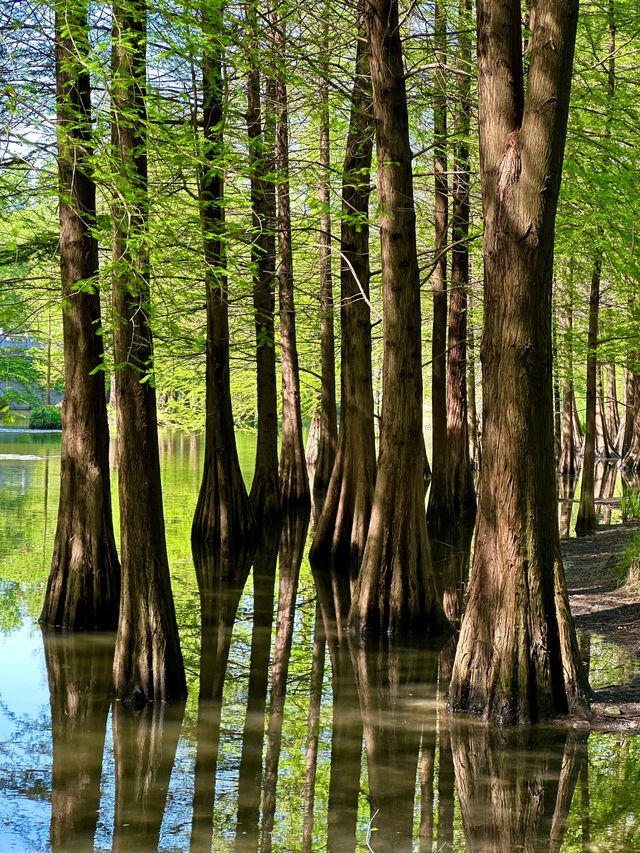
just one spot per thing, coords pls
(46, 417)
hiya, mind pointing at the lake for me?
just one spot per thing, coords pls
(293, 737)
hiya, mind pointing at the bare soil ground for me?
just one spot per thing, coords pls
(600, 606)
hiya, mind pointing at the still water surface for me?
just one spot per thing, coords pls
(293, 738)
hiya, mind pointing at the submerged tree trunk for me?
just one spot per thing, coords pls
(461, 497)
(342, 527)
(517, 658)
(223, 516)
(294, 480)
(148, 660)
(83, 589)
(440, 509)
(328, 414)
(265, 488)
(587, 521)
(395, 591)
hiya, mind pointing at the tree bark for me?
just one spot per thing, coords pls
(461, 497)
(148, 661)
(83, 588)
(474, 438)
(265, 488)
(342, 526)
(294, 480)
(613, 413)
(223, 516)
(395, 591)
(328, 413)
(439, 509)
(567, 464)
(586, 521)
(517, 659)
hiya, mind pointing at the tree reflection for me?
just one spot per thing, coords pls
(567, 488)
(515, 786)
(250, 779)
(221, 582)
(144, 745)
(346, 727)
(389, 679)
(79, 669)
(294, 532)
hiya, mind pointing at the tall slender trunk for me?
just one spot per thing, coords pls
(603, 436)
(83, 588)
(567, 464)
(294, 480)
(586, 520)
(461, 496)
(395, 591)
(148, 661)
(613, 413)
(328, 414)
(223, 516)
(517, 658)
(625, 431)
(265, 488)
(439, 510)
(474, 438)
(342, 527)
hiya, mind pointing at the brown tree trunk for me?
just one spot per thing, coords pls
(80, 676)
(517, 659)
(567, 491)
(265, 488)
(603, 438)
(328, 414)
(395, 591)
(474, 438)
(439, 509)
(625, 432)
(144, 746)
(223, 516)
(148, 660)
(557, 418)
(83, 588)
(578, 432)
(294, 532)
(631, 461)
(613, 413)
(461, 497)
(294, 480)
(567, 464)
(341, 529)
(587, 521)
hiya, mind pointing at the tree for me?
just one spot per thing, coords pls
(148, 661)
(84, 582)
(395, 590)
(517, 659)
(223, 514)
(342, 526)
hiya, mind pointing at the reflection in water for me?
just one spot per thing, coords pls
(144, 746)
(389, 678)
(515, 786)
(221, 584)
(79, 669)
(605, 486)
(250, 778)
(567, 490)
(294, 532)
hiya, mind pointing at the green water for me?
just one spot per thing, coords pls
(231, 772)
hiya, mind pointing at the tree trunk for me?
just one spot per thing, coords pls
(578, 432)
(567, 464)
(83, 588)
(439, 509)
(265, 488)
(587, 521)
(223, 517)
(395, 591)
(631, 460)
(557, 418)
(148, 660)
(517, 659)
(474, 438)
(461, 497)
(294, 481)
(341, 529)
(625, 432)
(613, 413)
(603, 438)
(328, 414)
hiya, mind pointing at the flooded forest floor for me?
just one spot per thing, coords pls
(600, 605)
